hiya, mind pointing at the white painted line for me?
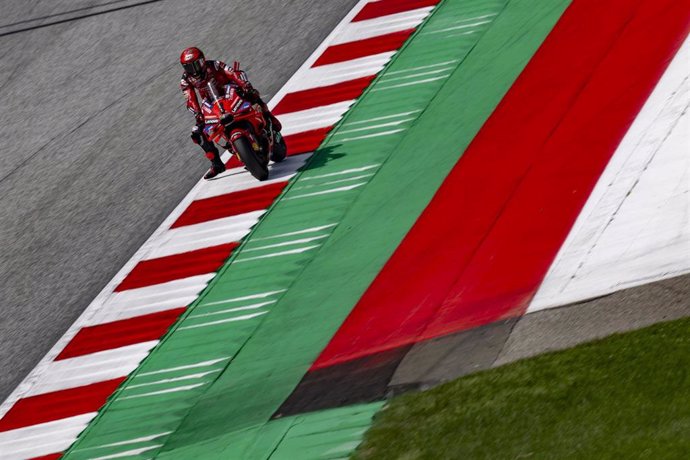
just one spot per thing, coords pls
(287, 243)
(369, 136)
(174, 379)
(463, 26)
(333, 182)
(185, 367)
(298, 232)
(233, 310)
(340, 181)
(385, 117)
(412, 83)
(128, 442)
(223, 321)
(421, 74)
(263, 295)
(166, 391)
(129, 453)
(416, 69)
(326, 192)
(277, 254)
(371, 127)
(343, 172)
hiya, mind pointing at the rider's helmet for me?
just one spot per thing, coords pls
(192, 59)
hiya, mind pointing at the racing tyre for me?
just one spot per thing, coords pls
(279, 148)
(251, 159)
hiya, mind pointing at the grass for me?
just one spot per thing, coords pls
(623, 397)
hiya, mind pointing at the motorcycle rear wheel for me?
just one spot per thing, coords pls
(251, 159)
(279, 149)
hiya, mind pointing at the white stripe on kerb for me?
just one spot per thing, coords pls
(92, 368)
(331, 74)
(370, 28)
(151, 299)
(319, 117)
(43, 438)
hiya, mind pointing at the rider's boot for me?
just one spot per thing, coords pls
(217, 165)
(277, 125)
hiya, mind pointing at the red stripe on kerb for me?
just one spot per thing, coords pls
(48, 457)
(517, 190)
(58, 405)
(362, 48)
(120, 333)
(307, 141)
(386, 7)
(175, 267)
(233, 162)
(230, 204)
(324, 95)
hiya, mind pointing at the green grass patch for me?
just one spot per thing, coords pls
(623, 397)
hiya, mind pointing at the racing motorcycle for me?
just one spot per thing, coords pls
(241, 128)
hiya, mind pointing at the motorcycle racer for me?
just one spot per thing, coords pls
(197, 73)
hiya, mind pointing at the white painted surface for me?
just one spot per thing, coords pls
(635, 227)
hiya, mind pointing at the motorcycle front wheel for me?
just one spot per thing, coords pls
(251, 159)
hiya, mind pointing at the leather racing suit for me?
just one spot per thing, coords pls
(222, 75)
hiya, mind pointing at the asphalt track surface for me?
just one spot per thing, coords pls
(95, 146)
(439, 360)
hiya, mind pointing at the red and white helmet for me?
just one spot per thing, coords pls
(193, 61)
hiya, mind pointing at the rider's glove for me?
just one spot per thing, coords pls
(251, 94)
